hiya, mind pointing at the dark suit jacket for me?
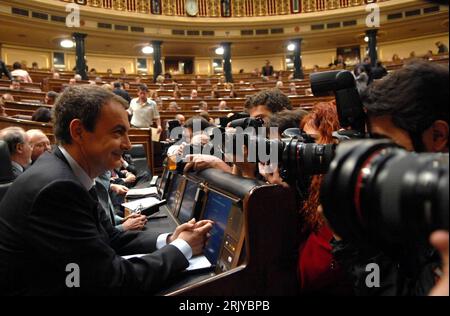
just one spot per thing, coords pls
(48, 220)
(124, 94)
(4, 70)
(267, 71)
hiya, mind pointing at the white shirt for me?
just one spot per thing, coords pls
(143, 114)
(22, 74)
(88, 183)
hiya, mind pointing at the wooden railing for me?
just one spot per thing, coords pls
(218, 8)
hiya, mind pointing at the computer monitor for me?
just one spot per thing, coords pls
(188, 203)
(217, 209)
(163, 183)
(173, 196)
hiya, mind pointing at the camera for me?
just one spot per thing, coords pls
(297, 154)
(378, 193)
(348, 102)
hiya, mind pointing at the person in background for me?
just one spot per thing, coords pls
(50, 97)
(4, 70)
(267, 70)
(15, 85)
(42, 114)
(20, 73)
(39, 142)
(441, 47)
(19, 148)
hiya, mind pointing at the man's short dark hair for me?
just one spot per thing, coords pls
(83, 102)
(143, 87)
(198, 120)
(287, 119)
(414, 96)
(52, 94)
(274, 99)
(13, 136)
(117, 85)
(43, 115)
(17, 65)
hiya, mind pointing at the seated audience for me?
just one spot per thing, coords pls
(173, 107)
(43, 115)
(203, 106)
(19, 148)
(181, 119)
(20, 74)
(194, 95)
(39, 143)
(50, 97)
(223, 106)
(15, 85)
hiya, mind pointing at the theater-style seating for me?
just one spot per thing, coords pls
(6, 175)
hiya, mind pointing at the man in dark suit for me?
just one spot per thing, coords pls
(118, 89)
(267, 70)
(55, 238)
(4, 70)
(19, 147)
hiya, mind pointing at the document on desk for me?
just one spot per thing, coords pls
(195, 263)
(142, 204)
(142, 192)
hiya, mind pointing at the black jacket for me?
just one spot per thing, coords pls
(410, 273)
(4, 70)
(124, 94)
(49, 220)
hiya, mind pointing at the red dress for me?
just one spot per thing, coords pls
(317, 270)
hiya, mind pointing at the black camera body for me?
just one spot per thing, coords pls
(348, 102)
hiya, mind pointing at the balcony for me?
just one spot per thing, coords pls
(222, 9)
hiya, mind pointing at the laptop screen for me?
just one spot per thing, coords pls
(188, 203)
(217, 209)
(163, 182)
(173, 194)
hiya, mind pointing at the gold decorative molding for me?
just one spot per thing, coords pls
(240, 8)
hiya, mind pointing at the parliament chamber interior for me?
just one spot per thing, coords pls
(224, 147)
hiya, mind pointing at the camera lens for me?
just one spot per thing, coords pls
(384, 195)
(305, 159)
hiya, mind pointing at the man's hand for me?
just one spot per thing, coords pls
(197, 237)
(119, 189)
(130, 178)
(272, 175)
(134, 222)
(439, 240)
(201, 162)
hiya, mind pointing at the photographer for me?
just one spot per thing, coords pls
(317, 270)
(410, 107)
(262, 105)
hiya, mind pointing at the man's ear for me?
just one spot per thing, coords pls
(440, 136)
(76, 131)
(19, 148)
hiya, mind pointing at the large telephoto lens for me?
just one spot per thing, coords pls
(379, 193)
(306, 159)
